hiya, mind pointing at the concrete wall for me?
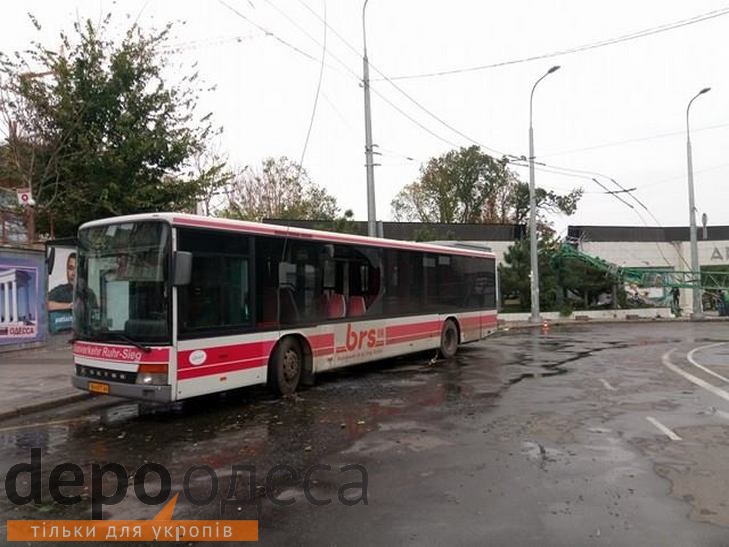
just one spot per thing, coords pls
(594, 315)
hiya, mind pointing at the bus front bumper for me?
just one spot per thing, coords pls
(153, 393)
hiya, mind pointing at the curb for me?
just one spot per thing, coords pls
(525, 325)
(46, 405)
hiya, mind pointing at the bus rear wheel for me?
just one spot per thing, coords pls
(448, 339)
(285, 366)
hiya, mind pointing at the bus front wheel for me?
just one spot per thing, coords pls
(448, 339)
(284, 368)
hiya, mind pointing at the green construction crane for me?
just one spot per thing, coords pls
(647, 277)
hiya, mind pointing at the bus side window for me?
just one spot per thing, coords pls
(217, 297)
(364, 287)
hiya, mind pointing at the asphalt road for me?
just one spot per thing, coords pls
(598, 434)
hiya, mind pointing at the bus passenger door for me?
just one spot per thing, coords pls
(332, 308)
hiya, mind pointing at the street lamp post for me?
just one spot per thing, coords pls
(371, 215)
(695, 267)
(534, 259)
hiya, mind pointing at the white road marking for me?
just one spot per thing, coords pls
(691, 378)
(607, 385)
(721, 414)
(663, 429)
(690, 357)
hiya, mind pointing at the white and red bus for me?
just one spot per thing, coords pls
(169, 306)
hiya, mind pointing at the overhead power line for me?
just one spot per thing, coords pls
(578, 173)
(268, 32)
(592, 45)
(402, 91)
(313, 38)
(607, 191)
(630, 141)
(358, 78)
(346, 67)
(316, 95)
(196, 44)
(562, 171)
(681, 177)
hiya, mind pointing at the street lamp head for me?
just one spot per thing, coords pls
(704, 90)
(555, 68)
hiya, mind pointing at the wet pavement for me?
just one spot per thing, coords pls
(597, 434)
(37, 378)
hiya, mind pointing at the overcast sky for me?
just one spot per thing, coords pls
(618, 110)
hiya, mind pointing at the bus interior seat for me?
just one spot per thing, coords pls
(337, 307)
(324, 299)
(357, 306)
(269, 308)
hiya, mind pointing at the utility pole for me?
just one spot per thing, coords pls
(533, 251)
(695, 266)
(371, 214)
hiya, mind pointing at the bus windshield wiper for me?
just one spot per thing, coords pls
(124, 338)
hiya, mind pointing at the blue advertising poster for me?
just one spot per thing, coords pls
(60, 289)
(21, 299)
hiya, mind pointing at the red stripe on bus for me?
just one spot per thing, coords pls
(323, 352)
(321, 344)
(257, 229)
(319, 341)
(197, 372)
(119, 353)
(226, 354)
(396, 331)
(412, 337)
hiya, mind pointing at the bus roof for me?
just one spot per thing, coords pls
(183, 219)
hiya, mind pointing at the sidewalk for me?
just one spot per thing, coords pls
(36, 379)
(507, 321)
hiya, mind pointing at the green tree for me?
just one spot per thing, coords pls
(97, 130)
(468, 185)
(562, 281)
(548, 203)
(583, 283)
(515, 279)
(279, 189)
(344, 224)
(463, 185)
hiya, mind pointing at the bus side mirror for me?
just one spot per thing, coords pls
(182, 268)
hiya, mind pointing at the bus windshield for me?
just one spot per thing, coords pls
(121, 292)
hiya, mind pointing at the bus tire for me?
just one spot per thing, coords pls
(285, 366)
(448, 339)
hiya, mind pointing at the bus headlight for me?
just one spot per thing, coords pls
(153, 374)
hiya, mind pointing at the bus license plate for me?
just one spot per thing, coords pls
(96, 387)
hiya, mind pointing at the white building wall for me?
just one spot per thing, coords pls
(499, 248)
